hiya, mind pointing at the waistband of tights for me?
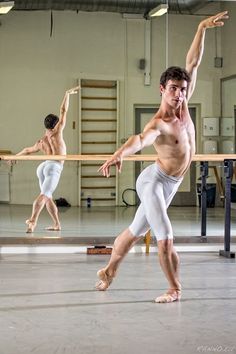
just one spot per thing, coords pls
(165, 175)
(55, 161)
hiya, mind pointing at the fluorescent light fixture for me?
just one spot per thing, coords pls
(159, 10)
(6, 6)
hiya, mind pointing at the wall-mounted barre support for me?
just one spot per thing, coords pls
(228, 172)
(204, 175)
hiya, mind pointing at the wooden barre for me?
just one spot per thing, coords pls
(153, 157)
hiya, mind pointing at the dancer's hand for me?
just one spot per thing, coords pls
(215, 21)
(73, 90)
(114, 160)
(11, 163)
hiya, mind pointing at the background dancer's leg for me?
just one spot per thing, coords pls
(53, 212)
(38, 206)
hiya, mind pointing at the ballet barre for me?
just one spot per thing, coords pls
(137, 157)
(204, 159)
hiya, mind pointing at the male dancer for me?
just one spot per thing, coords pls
(172, 133)
(49, 171)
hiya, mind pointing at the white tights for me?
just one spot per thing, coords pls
(49, 173)
(156, 190)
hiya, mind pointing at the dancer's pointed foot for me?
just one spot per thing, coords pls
(105, 280)
(31, 226)
(54, 228)
(171, 296)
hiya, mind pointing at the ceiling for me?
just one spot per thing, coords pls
(119, 6)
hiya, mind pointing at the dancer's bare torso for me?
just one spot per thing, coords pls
(52, 143)
(175, 145)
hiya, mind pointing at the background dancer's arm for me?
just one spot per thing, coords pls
(65, 106)
(30, 150)
(26, 151)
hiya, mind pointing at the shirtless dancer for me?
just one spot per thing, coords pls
(49, 172)
(171, 131)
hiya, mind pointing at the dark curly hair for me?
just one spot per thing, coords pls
(174, 73)
(50, 121)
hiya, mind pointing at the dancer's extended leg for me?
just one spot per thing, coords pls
(123, 243)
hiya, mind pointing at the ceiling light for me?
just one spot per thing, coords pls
(6, 6)
(159, 10)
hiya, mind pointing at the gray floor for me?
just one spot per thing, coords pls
(48, 305)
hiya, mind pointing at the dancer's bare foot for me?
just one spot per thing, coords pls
(170, 296)
(105, 280)
(31, 226)
(53, 228)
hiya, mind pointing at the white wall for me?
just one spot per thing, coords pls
(229, 69)
(228, 42)
(35, 70)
